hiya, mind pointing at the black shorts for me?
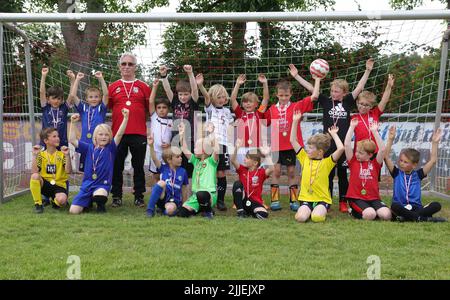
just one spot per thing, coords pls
(49, 190)
(285, 157)
(357, 206)
(224, 159)
(187, 165)
(250, 206)
(312, 205)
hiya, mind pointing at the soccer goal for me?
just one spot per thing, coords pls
(411, 45)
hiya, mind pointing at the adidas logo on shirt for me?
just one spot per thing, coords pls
(338, 111)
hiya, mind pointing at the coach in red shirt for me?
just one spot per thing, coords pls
(133, 94)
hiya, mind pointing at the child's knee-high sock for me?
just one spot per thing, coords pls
(35, 187)
(154, 197)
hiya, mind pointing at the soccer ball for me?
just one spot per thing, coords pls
(319, 68)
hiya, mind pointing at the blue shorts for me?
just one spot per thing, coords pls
(84, 196)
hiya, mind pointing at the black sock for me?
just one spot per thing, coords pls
(204, 199)
(238, 195)
(101, 201)
(221, 188)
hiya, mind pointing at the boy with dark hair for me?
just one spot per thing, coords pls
(54, 109)
(407, 199)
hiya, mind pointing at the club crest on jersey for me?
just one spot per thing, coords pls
(118, 90)
(255, 180)
(135, 90)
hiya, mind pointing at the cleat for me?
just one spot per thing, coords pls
(116, 202)
(294, 206)
(343, 207)
(39, 209)
(275, 205)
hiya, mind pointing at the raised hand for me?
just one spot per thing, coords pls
(354, 123)
(155, 83)
(293, 70)
(436, 137)
(333, 130)
(65, 150)
(125, 113)
(209, 127)
(44, 71)
(163, 70)
(369, 64)
(75, 118)
(297, 116)
(239, 143)
(36, 149)
(181, 128)
(98, 74)
(374, 126)
(241, 79)
(262, 78)
(199, 79)
(392, 132)
(80, 75)
(265, 150)
(187, 68)
(391, 80)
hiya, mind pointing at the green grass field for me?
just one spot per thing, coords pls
(124, 244)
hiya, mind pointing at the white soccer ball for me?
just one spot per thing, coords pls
(319, 68)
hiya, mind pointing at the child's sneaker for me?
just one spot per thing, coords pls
(208, 215)
(139, 202)
(294, 206)
(39, 209)
(221, 205)
(343, 207)
(240, 214)
(116, 202)
(275, 205)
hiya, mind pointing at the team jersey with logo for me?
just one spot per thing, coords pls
(204, 175)
(362, 131)
(52, 167)
(281, 123)
(135, 93)
(56, 118)
(364, 179)
(91, 116)
(162, 131)
(252, 182)
(407, 189)
(249, 126)
(174, 181)
(337, 112)
(221, 118)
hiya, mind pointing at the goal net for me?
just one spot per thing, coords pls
(408, 49)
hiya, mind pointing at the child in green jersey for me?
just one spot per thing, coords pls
(205, 160)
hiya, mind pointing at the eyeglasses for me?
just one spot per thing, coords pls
(130, 64)
(364, 104)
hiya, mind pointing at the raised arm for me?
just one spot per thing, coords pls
(104, 86)
(150, 141)
(165, 81)
(381, 147)
(266, 95)
(184, 147)
(387, 152)
(123, 126)
(387, 93)
(151, 100)
(293, 138)
(233, 159)
(200, 80)
(73, 130)
(348, 139)
(362, 82)
(192, 82)
(294, 73)
(42, 90)
(35, 153)
(333, 130)
(71, 76)
(316, 90)
(234, 94)
(434, 151)
(65, 150)
(73, 98)
(266, 152)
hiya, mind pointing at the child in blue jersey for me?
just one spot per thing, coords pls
(98, 171)
(406, 201)
(54, 109)
(92, 111)
(170, 192)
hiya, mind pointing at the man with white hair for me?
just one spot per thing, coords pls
(132, 94)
